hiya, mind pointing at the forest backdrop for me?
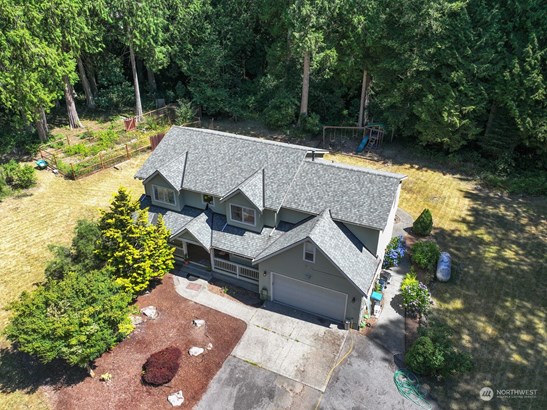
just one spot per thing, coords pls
(465, 76)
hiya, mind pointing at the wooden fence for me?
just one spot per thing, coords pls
(100, 161)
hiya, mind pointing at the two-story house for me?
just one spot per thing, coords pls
(275, 217)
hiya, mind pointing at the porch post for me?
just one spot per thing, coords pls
(184, 248)
(212, 255)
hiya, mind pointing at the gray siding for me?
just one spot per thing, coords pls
(240, 200)
(322, 273)
(269, 218)
(160, 181)
(368, 236)
(293, 217)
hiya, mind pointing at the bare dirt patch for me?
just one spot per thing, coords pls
(173, 327)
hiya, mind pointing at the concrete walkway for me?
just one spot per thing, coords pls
(285, 341)
(389, 331)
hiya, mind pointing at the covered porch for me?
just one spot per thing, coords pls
(228, 264)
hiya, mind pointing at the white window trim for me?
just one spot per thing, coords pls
(242, 208)
(160, 201)
(304, 253)
(208, 203)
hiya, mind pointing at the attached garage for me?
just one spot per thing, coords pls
(310, 298)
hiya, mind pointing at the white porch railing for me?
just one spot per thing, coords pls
(240, 271)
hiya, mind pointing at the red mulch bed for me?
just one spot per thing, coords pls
(173, 327)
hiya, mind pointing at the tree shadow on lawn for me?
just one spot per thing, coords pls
(21, 372)
(495, 302)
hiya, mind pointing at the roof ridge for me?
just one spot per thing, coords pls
(356, 168)
(252, 139)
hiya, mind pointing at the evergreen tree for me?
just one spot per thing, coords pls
(137, 251)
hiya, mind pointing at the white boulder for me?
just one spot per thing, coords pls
(195, 351)
(176, 399)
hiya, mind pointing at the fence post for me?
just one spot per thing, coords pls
(101, 158)
(67, 140)
(41, 155)
(55, 161)
(127, 152)
(73, 173)
(324, 146)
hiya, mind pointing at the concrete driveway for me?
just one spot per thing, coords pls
(365, 380)
(298, 347)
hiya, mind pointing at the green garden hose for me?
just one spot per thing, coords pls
(408, 386)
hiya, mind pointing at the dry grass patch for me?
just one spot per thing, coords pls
(496, 300)
(47, 215)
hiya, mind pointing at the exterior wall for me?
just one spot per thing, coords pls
(160, 181)
(240, 200)
(270, 218)
(387, 233)
(368, 236)
(293, 217)
(322, 273)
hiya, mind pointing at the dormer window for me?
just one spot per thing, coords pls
(309, 252)
(165, 195)
(242, 215)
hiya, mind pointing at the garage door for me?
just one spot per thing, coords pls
(308, 297)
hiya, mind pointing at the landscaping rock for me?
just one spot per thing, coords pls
(209, 346)
(136, 320)
(198, 322)
(150, 311)
(176, 399)
(195, 351)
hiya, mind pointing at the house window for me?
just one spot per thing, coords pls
(242, 214)
(208, 199)
(164, 195)
(309, 252)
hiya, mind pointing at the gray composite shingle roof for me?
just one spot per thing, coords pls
(272, 175)
(353, 194)
(200, 227)
(359, 267)
(252, 188)
(219, 162)
(173, 171)
(242, 242)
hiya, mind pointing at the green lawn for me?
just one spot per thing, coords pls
(496, 301)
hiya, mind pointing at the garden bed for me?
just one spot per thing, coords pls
(173, 327)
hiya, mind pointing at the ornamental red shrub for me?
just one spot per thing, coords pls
(161, 367)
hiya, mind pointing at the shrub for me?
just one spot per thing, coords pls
(184, 112)
(75, 319)
(416, 298)
(425, 255)
(18, 176)
(310, 124)
(423, 224)
(162, 366)
(432, 354)
(395, 251)
(409, 279)
(280, 111)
